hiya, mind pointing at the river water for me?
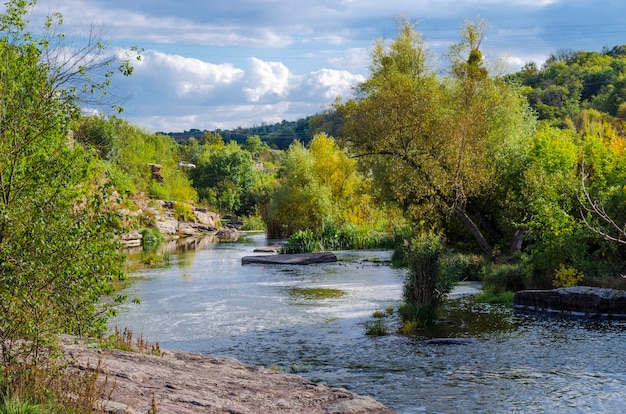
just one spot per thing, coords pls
(309, 320)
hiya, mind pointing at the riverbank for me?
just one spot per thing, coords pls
(185, 383)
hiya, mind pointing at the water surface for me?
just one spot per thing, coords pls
(309, 320)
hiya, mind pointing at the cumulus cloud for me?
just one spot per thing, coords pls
(266, 78)
(330, 83)
(188, 75)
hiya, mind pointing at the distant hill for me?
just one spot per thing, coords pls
(278, 136)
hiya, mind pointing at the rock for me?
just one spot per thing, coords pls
(167, 226)
(291, 259)
(185, 383)
(156, 172)
(266, 249)
(186, 229)
(449, 341)
(132, 239)
(590, 302)
(206, 218)
(227, 234)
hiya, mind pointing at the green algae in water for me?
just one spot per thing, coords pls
(311, 293)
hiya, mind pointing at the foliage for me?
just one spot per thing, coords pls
(151, 238)
(48, 284)
(489, 295)
(428, 140)
(567, 277)
(300, 201)
(334, 237)
(318, 184)
(505, 277)
(184, 211)
(128, 152)
(571, 81)
(425, 286)
(226, 177)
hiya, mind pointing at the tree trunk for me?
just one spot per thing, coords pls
(516, 240)
(473, 228)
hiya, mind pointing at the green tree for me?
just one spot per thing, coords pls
(225, 177)
(428, 139)
(301, 200)
(58, 254)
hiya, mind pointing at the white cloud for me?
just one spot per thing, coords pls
(266, 78)
(331, 83)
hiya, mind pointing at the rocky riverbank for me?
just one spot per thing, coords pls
(184, 383)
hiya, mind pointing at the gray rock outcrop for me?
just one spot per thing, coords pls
(186, 383)
(291, 259)
(584, 301)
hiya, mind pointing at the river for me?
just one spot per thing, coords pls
(309, 320)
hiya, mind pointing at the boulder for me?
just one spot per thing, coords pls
(205, 217)
(132, 239)
(584, 301)
(227, 234)
(291, 259)
(167, 226)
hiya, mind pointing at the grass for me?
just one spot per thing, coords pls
(123, 340)
(377, 327)
(311, 293)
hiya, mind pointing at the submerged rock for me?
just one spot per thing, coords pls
(185, 383)
(584, 301)
(449, 341)
(292, 259)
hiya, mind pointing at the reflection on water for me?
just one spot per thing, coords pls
(206, 301)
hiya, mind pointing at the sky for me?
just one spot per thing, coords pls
(223, 64)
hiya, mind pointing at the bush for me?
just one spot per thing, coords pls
(184, 212)
(461, 266)
(505, 277)
(567, 277)
(425, 285)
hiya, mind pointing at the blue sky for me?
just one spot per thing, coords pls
(221, 64)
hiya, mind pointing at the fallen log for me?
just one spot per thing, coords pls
(291, 259)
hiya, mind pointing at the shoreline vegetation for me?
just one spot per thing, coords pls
(515, 180)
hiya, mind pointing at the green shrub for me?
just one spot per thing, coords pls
(425, 285)
(460, 266)
(505, 277)
(567, 277)
(184, 211)
(152, 238)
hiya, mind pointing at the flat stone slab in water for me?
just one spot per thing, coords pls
(291, 259)
(266, 249)
(449, 341)
(584, 301)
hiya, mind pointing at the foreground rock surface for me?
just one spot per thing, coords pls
(292, 259)
(584, 301)
(185, 383)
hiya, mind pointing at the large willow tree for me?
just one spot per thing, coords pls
(432, 141)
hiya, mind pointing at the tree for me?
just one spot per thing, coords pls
(225, 176)
(301, 200)
(58, 254)
(429, 139)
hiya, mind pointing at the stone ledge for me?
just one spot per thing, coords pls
(580, 301)
(186, 383)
